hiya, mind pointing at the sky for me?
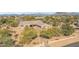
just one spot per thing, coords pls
(39, 6)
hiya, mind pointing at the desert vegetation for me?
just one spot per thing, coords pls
(10, 21)
(61, 26)
(5, 38)
(67, 30)
(28, 35)
(48, 33)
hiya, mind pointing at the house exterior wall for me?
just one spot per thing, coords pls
(36, 23)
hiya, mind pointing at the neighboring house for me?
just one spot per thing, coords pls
(37, 23)
(76, 24)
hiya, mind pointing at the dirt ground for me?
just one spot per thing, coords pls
(53, 42)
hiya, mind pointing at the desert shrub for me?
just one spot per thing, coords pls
(12, 22)
(28, 18)
(52, 20)
(69, 19)
(7, 42)
(67, 29)
(9, 21)
(5, 38)
(28, 35)
(48, 33)
(3, 21)
(56, 31)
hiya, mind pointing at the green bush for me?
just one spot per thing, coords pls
(28, 18)
(7, 42)
(27, 35)
(9, 21)
(52, 20)
(5, 38)
(48, 33)
(56, 31)
(67, 30)
(12, 22)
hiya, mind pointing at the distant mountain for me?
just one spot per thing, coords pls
(40, 14)
(28, 14)
(67, 13)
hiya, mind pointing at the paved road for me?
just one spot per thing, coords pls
(73, 45)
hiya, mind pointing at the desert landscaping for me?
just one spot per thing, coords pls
(38, 31)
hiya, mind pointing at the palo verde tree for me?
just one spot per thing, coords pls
(52, 20)
(11, 21)
(48, 33)
(67, 30)
(5, 38)
(28, 35)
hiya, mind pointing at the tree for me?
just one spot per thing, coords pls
(11, 21)
(28, 35)
(3, 21)
(28, 18)
(5, 38)
(48, 33)
(67, 30)
(52, 20)
(55, 21)
(69, 20)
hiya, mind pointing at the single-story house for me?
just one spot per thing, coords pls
(37, 23)
(76, 24)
